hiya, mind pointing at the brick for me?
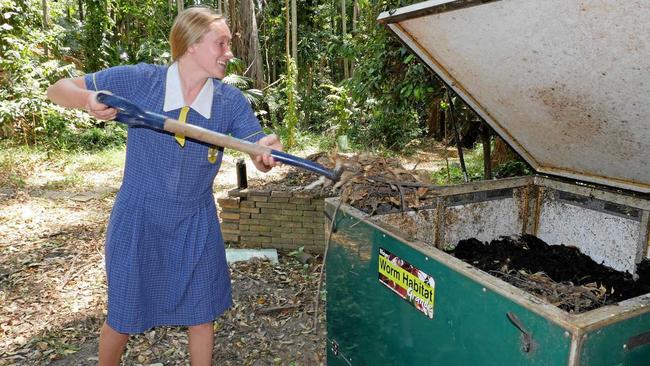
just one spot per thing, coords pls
(300, 201)
(313, 225)
(230, 226)
(260, 228)
(280, 194)
(272, 211)
(258, 193)
(246, 204)
(292, 213)
(282, 218)
(304, 218)
(244, 228)
(296, 236)
(299, 194)
(258, 198)
(278, 229)
(236, 193)
(280, 240)
(252, 210)
(303, 241)
(230, 215)
(287, 206)
(228, 202)
(267, 222)
(230, 237)
(313, 213)
(286, 224)
(247, 222)
(267, 205)
(302, 230)
(305, 208)
(255, 239)
(278, 199)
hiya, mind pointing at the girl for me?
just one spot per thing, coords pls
(165, 259)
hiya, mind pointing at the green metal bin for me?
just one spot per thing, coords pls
(566, 84)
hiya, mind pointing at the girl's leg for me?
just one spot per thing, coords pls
(201, 342)
(111, 346)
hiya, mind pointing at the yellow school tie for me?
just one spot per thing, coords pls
(182, 117)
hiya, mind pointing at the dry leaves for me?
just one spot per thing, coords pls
(53, 293)
(369, 183)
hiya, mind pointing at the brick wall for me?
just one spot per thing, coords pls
(273, 219)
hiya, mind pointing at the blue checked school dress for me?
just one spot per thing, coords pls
(165, 258)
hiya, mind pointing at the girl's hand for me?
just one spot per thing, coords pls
(265, 162)
(97, 109)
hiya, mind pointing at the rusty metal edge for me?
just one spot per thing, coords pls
(426, 8)
(627, 198)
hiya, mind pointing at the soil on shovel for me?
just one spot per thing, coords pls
(561, 275)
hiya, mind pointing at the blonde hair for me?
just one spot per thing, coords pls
(189, 26)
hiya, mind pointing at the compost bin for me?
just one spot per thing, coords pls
(566, 84)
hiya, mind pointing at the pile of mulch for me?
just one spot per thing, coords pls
(372, 184)
(561, 275)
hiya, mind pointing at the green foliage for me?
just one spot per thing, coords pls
(393, 90)
(291, 114)
(96, 33)
(514, 168)
(26, 116)
(339, 108)
(454, 175)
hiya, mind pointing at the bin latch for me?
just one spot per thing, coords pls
(528, 342)
(335, 348)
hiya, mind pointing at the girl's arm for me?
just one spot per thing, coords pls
(72, 93)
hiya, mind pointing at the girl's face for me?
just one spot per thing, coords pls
(212, 51)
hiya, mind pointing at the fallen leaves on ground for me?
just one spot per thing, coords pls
(53, 295)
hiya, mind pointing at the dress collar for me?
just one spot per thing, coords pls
(174, 95)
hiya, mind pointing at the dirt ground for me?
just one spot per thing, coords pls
(53, 288)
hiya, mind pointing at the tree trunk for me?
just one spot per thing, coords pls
(180, 5)
(502, 152)
(355, 18)
(294, 31)
(288, 29)
(46, 25)
(434, 122)
(454, 121)
(81, 10)
(344, 29)
(487, 161)
(238, 34)
(252, 55)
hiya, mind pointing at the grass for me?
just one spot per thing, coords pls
(22, 166)
(103, 160)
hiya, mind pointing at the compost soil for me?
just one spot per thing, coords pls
(524, 261)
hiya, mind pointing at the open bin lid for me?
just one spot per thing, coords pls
(566, 83)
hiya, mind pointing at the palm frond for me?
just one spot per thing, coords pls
(254, 96)
(238, 81)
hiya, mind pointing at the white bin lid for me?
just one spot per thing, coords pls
(566, 83)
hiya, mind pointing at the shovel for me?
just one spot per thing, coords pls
(131, 114)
